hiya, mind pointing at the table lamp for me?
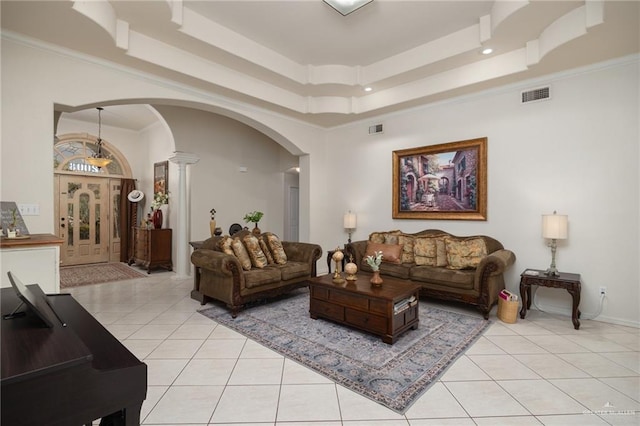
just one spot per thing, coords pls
(554, 227)
(350, 221)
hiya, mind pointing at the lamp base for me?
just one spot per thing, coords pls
(552, 272)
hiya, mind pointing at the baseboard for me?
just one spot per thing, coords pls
(585, 315)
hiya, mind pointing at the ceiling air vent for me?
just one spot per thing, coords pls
(539, 94)
(377, 128)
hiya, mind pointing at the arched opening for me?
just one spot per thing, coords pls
(87, 200)
(174, 126)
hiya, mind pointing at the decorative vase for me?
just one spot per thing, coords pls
(157, 218)
(165, 216)
(212, 227)
(376, 280)
(256, 231)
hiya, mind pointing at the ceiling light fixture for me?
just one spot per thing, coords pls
(98, 159)
(487, 51)
(345, 7)
(368, 89)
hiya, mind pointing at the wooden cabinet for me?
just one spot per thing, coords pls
(152, 248)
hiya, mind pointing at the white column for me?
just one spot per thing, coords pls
(182, 265)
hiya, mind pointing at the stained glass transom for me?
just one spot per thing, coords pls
(69, 156)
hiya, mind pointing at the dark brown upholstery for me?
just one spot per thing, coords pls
(221, 277)
(479, 287)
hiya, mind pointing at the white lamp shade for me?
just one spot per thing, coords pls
(554, 226)
(350, 220)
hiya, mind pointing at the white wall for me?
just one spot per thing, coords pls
(224, 147)
(576, 153)
(35, 77)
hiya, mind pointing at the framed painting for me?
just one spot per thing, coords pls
(161, 177)
(445, 181)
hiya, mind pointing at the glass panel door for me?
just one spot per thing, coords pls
(84, 220)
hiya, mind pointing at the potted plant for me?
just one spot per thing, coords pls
(374, 262)
(255, 218)
(12, 230)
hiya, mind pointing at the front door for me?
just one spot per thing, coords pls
(83, 221)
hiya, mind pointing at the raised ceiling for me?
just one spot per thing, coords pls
(304, 59)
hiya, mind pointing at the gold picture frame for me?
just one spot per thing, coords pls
(161, 177)
(444, 182)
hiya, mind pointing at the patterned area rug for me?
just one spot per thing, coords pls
(392, 375)
(74, 276)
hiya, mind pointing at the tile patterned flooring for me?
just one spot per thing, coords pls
(538, 371)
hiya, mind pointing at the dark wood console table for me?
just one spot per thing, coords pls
(567, 281)
(66, 375)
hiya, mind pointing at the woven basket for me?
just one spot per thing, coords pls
(507, 311)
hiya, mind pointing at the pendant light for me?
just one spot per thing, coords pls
(98, 159)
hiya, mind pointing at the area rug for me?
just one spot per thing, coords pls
(392, 375)
(74, 276)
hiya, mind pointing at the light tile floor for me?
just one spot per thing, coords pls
(536, 371)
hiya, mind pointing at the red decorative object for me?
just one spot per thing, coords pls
(157, 218)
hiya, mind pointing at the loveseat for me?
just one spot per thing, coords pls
(447, 267)
(243, 268)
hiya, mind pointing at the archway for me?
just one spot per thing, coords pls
(87, 200)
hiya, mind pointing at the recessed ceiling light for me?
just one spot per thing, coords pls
(345, 7)
(368, 89)
(487, 51)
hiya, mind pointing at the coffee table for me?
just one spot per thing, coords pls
(386, 311)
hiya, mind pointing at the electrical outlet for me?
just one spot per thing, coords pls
(603, 290)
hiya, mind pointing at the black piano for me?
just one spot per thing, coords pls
(68, 374)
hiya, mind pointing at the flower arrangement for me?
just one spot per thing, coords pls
(374, 261)
(213, 213)
(253, 217)
(159, 198)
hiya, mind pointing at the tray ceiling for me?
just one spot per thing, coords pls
(303, 59)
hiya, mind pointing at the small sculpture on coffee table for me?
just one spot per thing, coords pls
(337, 257)
(350, 269)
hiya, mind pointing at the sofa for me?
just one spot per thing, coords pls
(447, 267)
(244, 268)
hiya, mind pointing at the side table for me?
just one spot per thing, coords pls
(567, 281)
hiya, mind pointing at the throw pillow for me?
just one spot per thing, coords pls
(241, 253)
(407, 248)
(377, 237)
(391, 253)
(257, 256)
(430, 250)
(425, 251)
(387, 237)
(225, 245)
(441, 251)
(392, 237)
(266, 251)
(465, 253)
(275, 245)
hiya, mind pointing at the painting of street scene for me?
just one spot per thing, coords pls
(446, 178)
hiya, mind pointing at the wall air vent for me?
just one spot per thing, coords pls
(375, 129)
(539, 94)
